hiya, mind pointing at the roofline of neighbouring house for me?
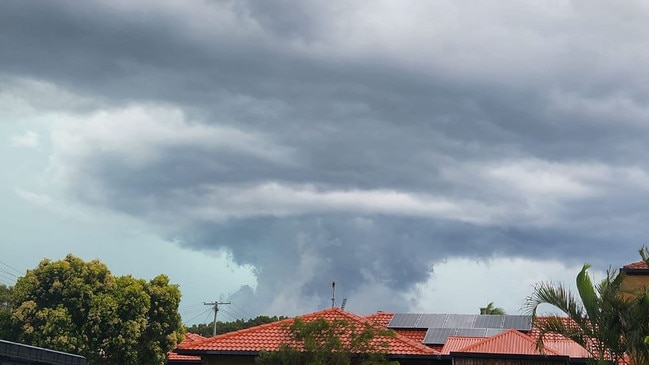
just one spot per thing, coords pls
(14, 350)
(635, 271)
(506, 356)
(256, 353)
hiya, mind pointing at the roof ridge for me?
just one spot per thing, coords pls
(416, 344)
(235, 333)
(364, 320)
(226, 335)
(397, 342)
(510, 331)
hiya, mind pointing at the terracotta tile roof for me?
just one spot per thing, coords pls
(509, 342)
(535, 333)
(416, 334)
(193, 337)
(172, 356)
(383, 319)
(456, 343)
(565, 346)
(189, 338)
(270, 336)
(380, 318)
(640, 265)
(559, 342)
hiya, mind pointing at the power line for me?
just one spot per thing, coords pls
(247, 315)
(231, 314)
(17, 271)
(6, 279)
(204, 312)
(7, 273)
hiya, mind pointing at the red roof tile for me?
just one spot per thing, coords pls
(189, 338)
(270, 336)
(413, 334)
(559, 342)
(380, 318)
(640, 265)
(456, 343)
(535, 332)
(565, 346)
(508, 342)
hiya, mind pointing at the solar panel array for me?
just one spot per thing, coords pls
(440, 326)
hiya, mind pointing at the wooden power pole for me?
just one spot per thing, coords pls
(215, 305)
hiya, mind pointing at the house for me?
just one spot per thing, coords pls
(12, 353)
(243, 346)
(636, 276)
(177, 359)
(444, 339)
(512, 347)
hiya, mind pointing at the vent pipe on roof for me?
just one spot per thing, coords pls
(333, 294)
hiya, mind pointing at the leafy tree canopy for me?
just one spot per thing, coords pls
(323, 342)
(80, 307)
(5, 311)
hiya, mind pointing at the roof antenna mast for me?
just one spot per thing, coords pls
(333, 294)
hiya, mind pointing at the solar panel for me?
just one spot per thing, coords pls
(432, 321)
(460, 321)
(489, 321)
(521, 323)
(471, 332)
(438, 336)
(404, 320)
(493, 331)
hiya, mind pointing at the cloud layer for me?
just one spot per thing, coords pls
(364, 143)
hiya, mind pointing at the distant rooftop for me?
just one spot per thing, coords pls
(640, 265)
(19, 353)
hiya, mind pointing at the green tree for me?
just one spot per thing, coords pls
(606, 321)
(80, 307)
(491, 309)
(206, 329)
(323, 342)
(5, 312)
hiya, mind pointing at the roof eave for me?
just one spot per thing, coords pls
(507, 356)
(215, 352)
(414, 356)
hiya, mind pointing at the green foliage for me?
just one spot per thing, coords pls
(491, 309)
(80, 307)
(207, 329)
(605, 320)
(5, 312)
(323, 342)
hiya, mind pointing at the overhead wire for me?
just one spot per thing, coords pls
(205, 311)
(229, 313)
(246, 315)
(7, 279)
(12, 268)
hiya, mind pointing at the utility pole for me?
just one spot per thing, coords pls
(215, 305)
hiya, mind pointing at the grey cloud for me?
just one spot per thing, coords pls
(428, 116)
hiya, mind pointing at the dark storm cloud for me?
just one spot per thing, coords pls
(312, 157)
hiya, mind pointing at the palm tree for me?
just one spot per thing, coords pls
(491, 309)
(610, 325)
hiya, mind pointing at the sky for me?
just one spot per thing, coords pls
(428, 156)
